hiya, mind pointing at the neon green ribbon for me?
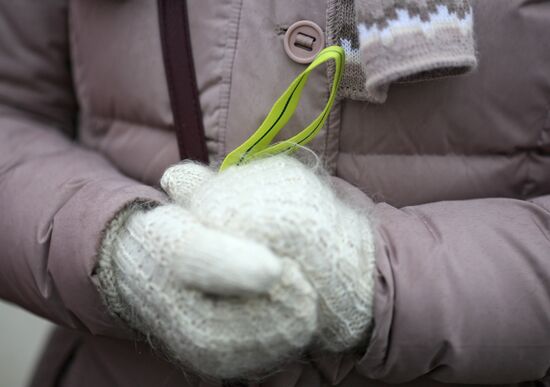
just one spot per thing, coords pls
(259, 143)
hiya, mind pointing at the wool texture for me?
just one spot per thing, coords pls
(250, 268)
(390, 41)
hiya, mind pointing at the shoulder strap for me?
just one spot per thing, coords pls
(180, 76)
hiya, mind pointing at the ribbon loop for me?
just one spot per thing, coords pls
(259, 143)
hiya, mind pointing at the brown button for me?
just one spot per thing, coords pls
(303, 41)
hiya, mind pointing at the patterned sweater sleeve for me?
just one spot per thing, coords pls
(390, 41)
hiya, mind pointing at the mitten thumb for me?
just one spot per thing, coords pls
(169, 243)
(218, 263)
(180, 181)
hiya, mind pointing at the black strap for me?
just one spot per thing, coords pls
(180, 76)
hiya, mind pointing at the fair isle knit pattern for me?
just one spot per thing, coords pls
(390, 41)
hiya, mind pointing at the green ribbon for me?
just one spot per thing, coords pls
(259, 144)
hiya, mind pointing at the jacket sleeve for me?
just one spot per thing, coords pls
(462, 292)
(55, 197)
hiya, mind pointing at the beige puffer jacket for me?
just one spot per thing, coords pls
(460, 169)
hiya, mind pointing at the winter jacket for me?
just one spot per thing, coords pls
(459, 168)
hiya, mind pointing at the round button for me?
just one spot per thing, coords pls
(303, 41)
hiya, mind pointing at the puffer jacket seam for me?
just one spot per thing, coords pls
(332, 137)
(80, 88)
(111, 120)
(227, 73)
(8, 108)
(529, 184)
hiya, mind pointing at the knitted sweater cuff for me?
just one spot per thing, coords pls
(414, 40)
(400, 41)
(107, 271)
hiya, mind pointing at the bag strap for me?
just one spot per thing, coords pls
(180, 76)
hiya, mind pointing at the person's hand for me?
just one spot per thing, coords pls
(246, 269)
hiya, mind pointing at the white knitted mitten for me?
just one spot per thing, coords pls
(245, 270)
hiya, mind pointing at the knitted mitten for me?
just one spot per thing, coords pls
(247, 269)
(400, 40)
